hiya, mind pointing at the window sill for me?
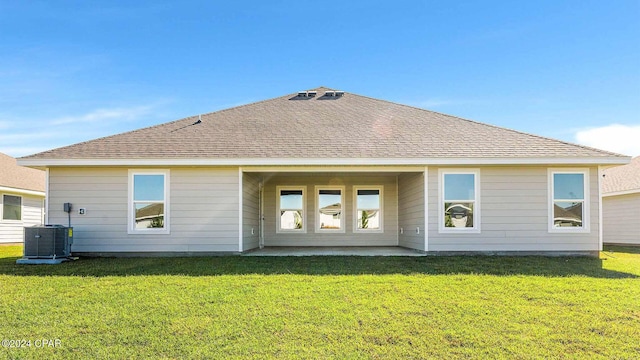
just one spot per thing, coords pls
(459, 231)
(569, 231)
(291, 231)
(149, 232)
(380, 231)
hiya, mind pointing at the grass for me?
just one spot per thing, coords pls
(325, 307)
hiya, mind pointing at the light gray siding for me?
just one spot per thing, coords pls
(411, 210)
(204, 205)
(250, 211)
(514, 204)
(32, 214)
(621, 219)
(349, 238)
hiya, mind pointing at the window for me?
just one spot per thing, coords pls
(568, 206)
(11, 208)
(368, 207)
(291, 204)
(329, 212)
(459, 206)
(148, 201)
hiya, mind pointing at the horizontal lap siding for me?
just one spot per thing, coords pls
(32, 214)
(514, 214)
(203, 204)
(621, 219)
(411, 210)
(250, 211)
(348, 238)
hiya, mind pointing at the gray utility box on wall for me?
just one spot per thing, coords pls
(47, 242)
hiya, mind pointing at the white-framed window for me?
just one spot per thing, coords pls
(568, 205)
(330, 209)
(149, 202)
(11, 208)
(368, 209)
(291, 204)
(459, 201)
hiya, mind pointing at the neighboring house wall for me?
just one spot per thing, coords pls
(388, 237)
(12, 231)
(250, 211)
(621, 219)
(203, 202)
(514, 214)
(411, 210)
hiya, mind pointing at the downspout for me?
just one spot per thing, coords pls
(600, 229)
(46, 197)
(261, 213)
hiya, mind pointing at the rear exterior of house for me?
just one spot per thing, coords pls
(22, 192)
(327, 168)
(621, 204)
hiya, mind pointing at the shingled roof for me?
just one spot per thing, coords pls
(624, 178)
(349, 126)
(20, 177)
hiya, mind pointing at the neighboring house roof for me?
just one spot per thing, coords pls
(150, 211)
(292, 129)
(622, 179)
(571, 214)
(19, 177)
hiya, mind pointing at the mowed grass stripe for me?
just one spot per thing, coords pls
(325, 307)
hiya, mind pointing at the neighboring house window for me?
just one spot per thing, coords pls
(329, 209)
(368, 207)
(291, 205)
(459, 205)
(148, 201)
(568, 207)
(12, 207)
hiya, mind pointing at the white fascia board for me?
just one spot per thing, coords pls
(22, 191)
(325, 161)
(618, 193)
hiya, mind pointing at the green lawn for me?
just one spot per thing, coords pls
(325, 307)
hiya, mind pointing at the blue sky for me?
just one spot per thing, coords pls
(72, 71)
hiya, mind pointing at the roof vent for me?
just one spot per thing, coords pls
(308, 94)
(334, 93)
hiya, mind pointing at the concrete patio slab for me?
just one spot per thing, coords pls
(335, 251)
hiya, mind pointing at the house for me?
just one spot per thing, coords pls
(326, 168)
(22, 193)
(621, 204)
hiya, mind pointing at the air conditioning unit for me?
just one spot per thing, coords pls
(47, 242)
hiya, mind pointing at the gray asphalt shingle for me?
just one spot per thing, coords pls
(349, 126)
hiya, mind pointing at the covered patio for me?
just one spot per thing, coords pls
(354, 211)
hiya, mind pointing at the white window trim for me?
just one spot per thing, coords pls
(342, 229)
(2, 220)
(131, 226)
(586, 218)
(279, 230)
(476, 212)
(380, 188)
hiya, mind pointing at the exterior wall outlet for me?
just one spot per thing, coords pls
(401, 231)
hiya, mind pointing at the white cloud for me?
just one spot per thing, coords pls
(21, 137)
(117, 114)
(623, 139)
(19, 151)
(433, 103)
